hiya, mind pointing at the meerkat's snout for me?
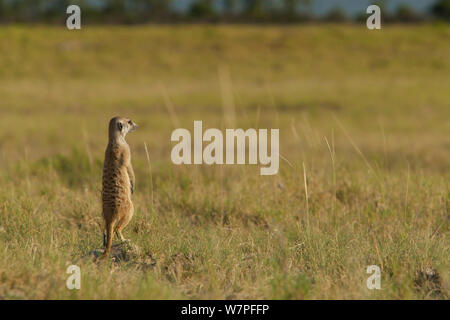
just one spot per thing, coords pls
(133, 126)
(129, 126)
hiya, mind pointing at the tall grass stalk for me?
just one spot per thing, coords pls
(150, 175)
(332, 155)
(169, 105)
(307, 201)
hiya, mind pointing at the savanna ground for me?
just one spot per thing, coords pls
(363, 115)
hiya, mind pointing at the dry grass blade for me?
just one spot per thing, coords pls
(226, 91)
(369, 166)
(307, 200)
(150, 175)
(169, 105)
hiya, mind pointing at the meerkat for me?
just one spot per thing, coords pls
(118, 182)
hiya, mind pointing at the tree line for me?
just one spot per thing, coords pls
(229, 11)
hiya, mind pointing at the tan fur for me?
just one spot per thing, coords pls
(118, 181)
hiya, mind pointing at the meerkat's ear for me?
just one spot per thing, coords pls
(119, 126)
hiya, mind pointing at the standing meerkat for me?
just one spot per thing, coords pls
(118, 181)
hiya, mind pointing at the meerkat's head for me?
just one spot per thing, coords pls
(120, 126)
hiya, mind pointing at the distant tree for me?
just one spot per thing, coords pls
(290, 6)
(56, 10)
(254, 9)
(114, 7)
(383, 8)
(360, 17)
(442, 10)
(3, 10)
(202, 9)
(405, 13)
(306, 10)
(159, 8)
(230, 7)
(136, 11)
(23, 10)
(336, 15)
(118, 11)
(291, 9)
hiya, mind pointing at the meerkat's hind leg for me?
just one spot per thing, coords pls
(121, 237)
(105, 238)
(109, 239)
(121, 225)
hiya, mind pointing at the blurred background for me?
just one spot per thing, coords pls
(255, 11)
(364, 119)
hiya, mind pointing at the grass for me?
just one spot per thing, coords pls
(364, 123)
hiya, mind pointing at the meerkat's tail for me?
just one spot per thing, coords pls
(109, 239)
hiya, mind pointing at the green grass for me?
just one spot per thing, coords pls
(366, 112)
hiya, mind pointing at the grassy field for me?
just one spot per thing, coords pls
(363, 115)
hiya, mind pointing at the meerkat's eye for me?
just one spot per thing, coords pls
(129, 122)
(119, 126)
